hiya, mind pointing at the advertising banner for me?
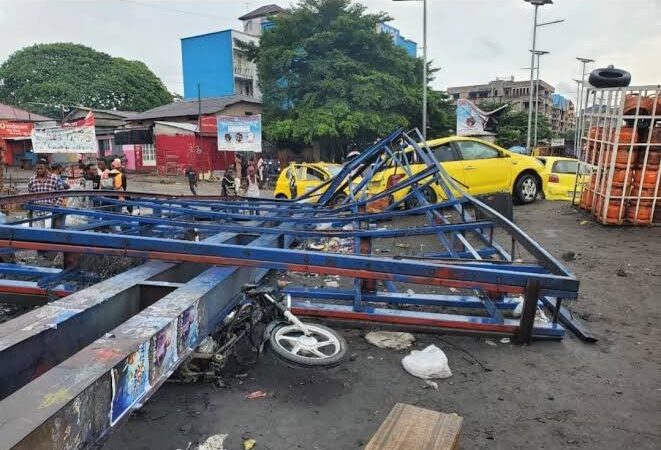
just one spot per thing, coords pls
(240, 133)
(74, 137)
(470, 118)
(15, 129)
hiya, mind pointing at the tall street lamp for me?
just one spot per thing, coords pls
(536, 4)
(424, 65)
(538, 53)
(580, 84)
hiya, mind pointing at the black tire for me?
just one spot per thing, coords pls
(609, 77)
(281, 197)
(526, 188)
(333, 358)
(429, 194)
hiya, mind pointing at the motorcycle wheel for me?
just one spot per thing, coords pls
(323, 348)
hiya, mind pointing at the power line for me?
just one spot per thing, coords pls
(180, 11)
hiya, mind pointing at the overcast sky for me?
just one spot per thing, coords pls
(473, 41)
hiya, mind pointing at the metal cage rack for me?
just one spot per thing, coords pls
(620, 142)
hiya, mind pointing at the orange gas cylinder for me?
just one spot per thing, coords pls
(614, 209)
(586, 198)
(620, 176)
(595, 133)
(635, 103)
(646, 195)
(621, 157)
(646, 177)
(653, 159)
(643, 216)
(627, 135)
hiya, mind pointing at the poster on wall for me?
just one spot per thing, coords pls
(162, 351)
(130, 381)
(188, 327)
(74, 137)
(240, 133)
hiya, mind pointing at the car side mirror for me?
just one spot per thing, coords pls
(505, 155)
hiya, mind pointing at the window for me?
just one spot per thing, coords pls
(148, 155)
(475, 150)
(314, 175)
(444, 153)
(568, 167)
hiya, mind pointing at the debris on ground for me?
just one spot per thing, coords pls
(256, 394)
(505, 340)
(249, 444)
(215, 442)
(431, 385)
(568, 256)
(621, 272)
(208, 346)
(491, 343)
(395, 340)
(332, 284)
(427, 364)
(400, 245)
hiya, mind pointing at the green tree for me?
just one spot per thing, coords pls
(512, 127)
(326, 75)
(72, 74)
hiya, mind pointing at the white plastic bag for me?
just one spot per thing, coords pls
(427, 364)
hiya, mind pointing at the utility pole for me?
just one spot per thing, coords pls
(538, 53)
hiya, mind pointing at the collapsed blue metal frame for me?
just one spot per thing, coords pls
(469, 259)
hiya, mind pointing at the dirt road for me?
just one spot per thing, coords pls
(550, 395)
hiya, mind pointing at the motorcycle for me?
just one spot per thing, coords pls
(263, 317)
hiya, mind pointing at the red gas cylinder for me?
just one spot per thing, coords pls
(614, 209)
(646, 177)
(642, 217)
(635, 103)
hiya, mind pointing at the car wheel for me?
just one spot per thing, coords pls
(526, 188)
(281, 197)
(429, 195)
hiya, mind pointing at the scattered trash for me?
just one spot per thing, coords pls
(256, 394)
(395, 340)
(427, 364)
(540, 316)
(410, 291)
(316, 246)
(332, 284)
(249, 444)
(491, 343)
(431, 384)
(568, 256)
(621, 272)
(215, 442)
(324, 226)
(584, 222)
(505, 340)
(454, 289)
(400, 245)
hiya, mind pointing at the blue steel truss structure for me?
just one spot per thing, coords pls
(479, 282)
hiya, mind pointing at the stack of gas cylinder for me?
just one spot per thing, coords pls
(624, 151)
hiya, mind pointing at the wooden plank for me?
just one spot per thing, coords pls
(408, 427)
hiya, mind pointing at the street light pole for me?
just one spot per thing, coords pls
(579, 101)
(538, 53)
(424, 66)
(536, 4)
(424, 70)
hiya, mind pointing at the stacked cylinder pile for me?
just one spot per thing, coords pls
(622, 146)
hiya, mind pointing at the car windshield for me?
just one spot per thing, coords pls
(569, 167)
(333, 170)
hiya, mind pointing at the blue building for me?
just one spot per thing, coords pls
(400, 41)
(215, 66)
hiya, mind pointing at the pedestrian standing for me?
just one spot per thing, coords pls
(238, 171)
(43, 181)
(228, 183)
(191, 174)
(253, 186)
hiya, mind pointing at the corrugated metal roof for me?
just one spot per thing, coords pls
(262, 11)
(192, 107)
(182, 125)
(8, 112)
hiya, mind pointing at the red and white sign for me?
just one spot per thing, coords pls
(15, 129)
(209, 124)
(74, 137)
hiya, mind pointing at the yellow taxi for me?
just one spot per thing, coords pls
(298, 179)
(560, 175)
(478, 166)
